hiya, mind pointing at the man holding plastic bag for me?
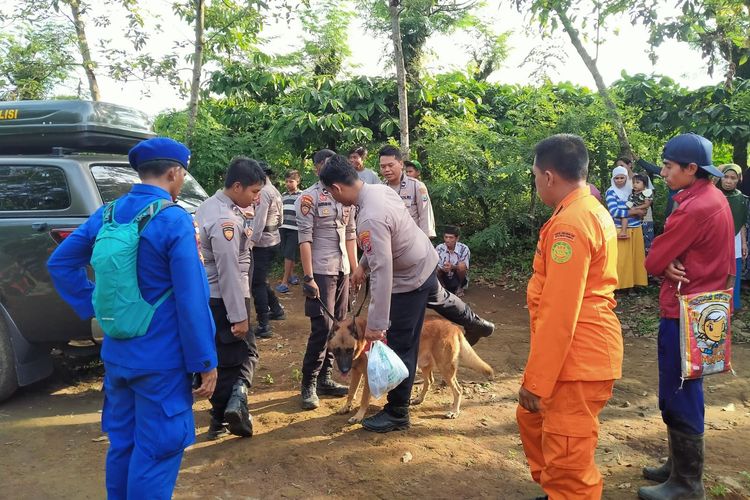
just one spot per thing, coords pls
(402, 264)
(695, 255)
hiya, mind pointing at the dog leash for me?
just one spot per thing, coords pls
(354, 301)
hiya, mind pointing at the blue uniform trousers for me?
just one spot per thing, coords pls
(148, 416)
(681, 407)
(738, 286)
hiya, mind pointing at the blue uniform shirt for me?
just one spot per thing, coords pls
(181, 333)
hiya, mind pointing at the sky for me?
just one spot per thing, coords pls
(625, 49)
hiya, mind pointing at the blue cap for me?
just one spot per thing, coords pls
(159, 148)
(691, 148)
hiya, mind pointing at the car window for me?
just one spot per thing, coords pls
(33, 187)
(114, 181)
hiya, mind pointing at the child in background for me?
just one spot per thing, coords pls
(738, 204)
(288, 231)
(641, 197)
(619, 194)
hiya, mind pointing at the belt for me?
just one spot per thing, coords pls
(270, 229)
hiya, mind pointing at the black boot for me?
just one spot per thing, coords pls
(310, 399)
(216, 430)
(237, 415)
(388, 419)
(686, 479)
(476, 327)
(277, 313)
(660, 474)
(263, 330)
(329, 387)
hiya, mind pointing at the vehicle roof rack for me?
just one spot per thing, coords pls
(63, 127)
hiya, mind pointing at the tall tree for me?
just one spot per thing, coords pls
(35, 59)
(572, 16)
(77, 11)
(721, 30)
(398, 59)
(195, 81)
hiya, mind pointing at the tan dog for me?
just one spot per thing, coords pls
(441, 345)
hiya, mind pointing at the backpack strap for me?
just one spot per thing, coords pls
(108, 216)
(149, 212)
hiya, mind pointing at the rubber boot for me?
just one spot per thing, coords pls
(475, 327)
(263, 330)
(390, 418)
(660, 474)
(216, 430)
(310, 399)
(237, 415)
(686, 480)
(326, 386)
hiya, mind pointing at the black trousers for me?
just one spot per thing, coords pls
(317, 357)
(451, 283)
(407, 317)
(238, 358)
(447, 304)
(265, 299)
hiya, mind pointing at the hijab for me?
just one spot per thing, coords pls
(737, 200)
(624, 192)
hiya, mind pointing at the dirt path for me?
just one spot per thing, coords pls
(51, 445)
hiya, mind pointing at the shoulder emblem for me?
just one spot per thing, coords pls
(306, 203)
(562, 252)
(227, 228)
(364, 242)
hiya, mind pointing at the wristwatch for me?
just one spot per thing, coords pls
(307, 279)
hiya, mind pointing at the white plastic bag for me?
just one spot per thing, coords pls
(385, 370)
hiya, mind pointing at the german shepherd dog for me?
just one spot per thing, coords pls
(441, 345)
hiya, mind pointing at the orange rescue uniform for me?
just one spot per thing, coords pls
(576, 346)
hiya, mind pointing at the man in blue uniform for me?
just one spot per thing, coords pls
(147, 384)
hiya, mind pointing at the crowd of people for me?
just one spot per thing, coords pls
(178, 314)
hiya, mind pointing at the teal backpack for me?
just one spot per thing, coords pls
(118, 304)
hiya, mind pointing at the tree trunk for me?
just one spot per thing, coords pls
(195, 84)
(83, 47)
(398, 55)
(622, 136)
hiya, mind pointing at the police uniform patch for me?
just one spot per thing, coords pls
(423, 190)
(227, 228)
(326, 212)
(364, 242)
(424, 197)
(306, 203)
(322, 196)
(561, 252)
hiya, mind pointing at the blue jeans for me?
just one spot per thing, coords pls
(738, 286)
(149, 418)
(680, 402)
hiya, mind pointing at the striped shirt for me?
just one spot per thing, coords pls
(290, 214)
(618, 209)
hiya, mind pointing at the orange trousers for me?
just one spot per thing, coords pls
(560, 440)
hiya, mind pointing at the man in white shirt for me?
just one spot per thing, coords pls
(453, 266)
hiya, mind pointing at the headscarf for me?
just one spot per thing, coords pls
(622, 193)
(737, 200)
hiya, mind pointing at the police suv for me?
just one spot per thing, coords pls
(59, 162)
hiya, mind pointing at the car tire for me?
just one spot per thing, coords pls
(8, 377)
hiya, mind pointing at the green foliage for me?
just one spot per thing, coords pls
(33, 59)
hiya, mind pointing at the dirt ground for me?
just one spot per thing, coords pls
(51, 445)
